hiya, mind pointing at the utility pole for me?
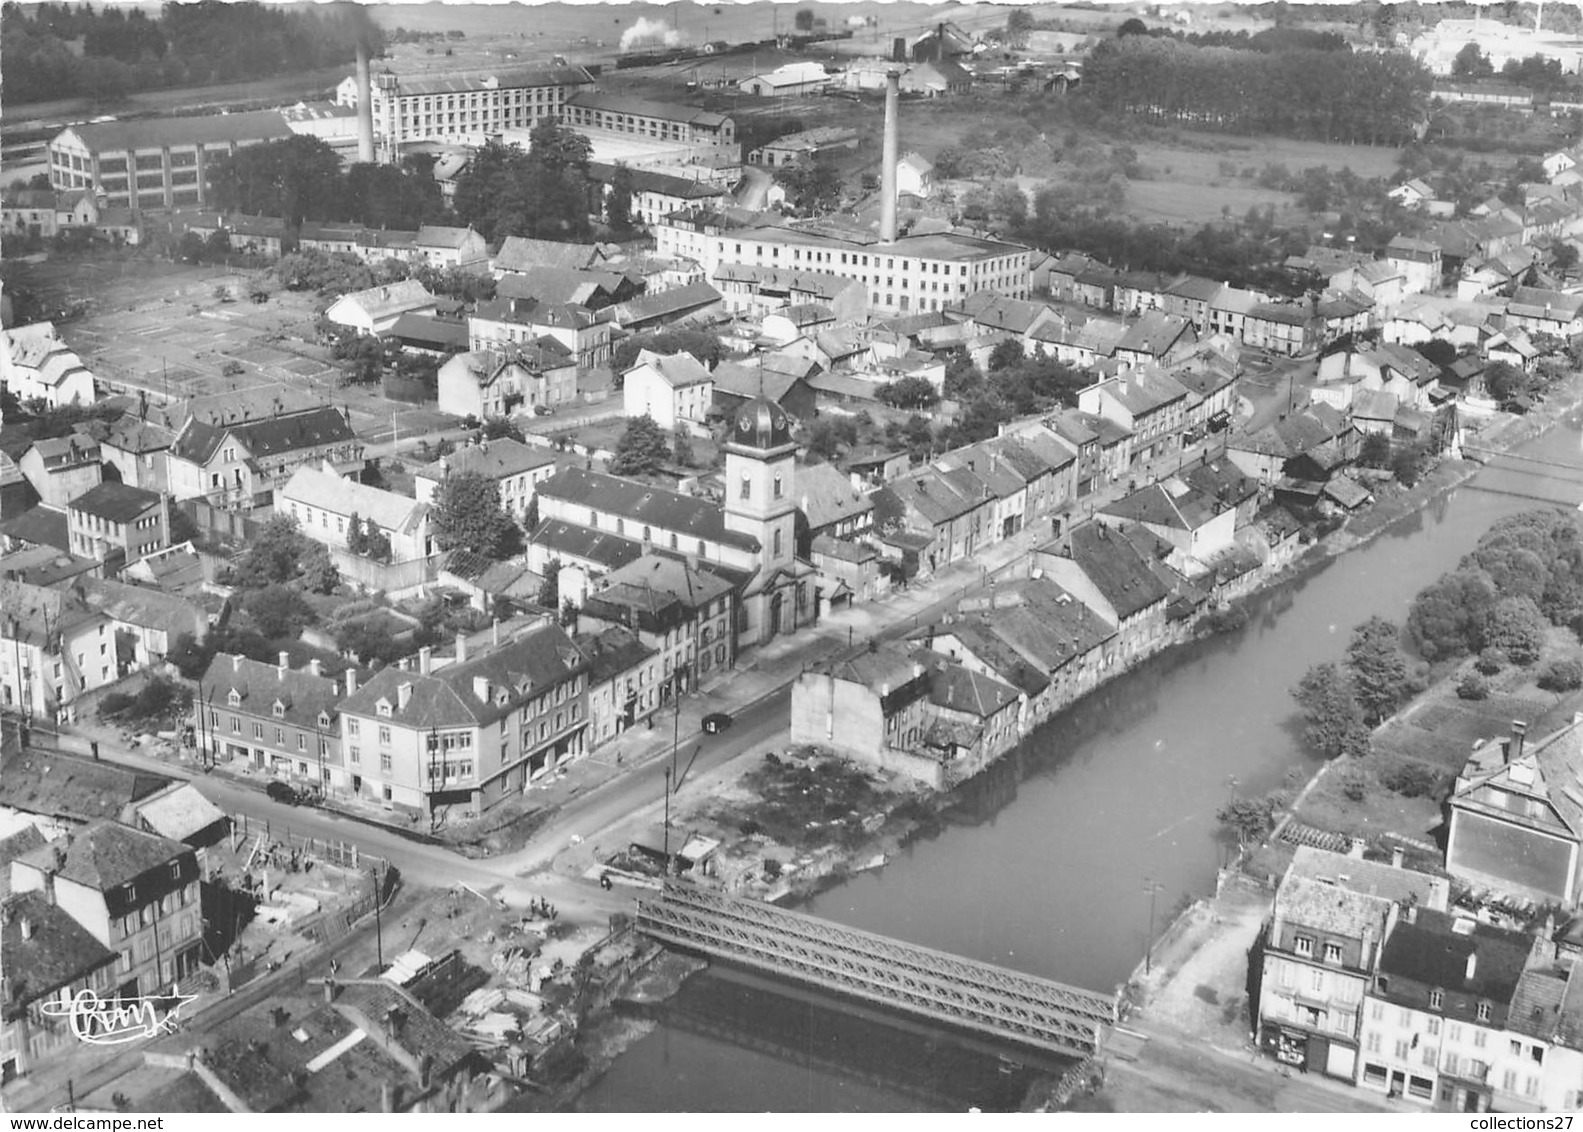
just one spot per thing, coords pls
(379, 927)
(1153, 888)
(667, 821)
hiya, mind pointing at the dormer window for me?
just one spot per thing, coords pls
(382, 709)
(234, 698)
(324, 719)
(1436, 997)
(1484, 1012)
(279, 710)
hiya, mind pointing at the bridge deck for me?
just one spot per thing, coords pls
(933, 984)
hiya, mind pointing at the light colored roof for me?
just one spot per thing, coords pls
(1372, 878)
(679, 370)
(156, 133)
(180, 813)
(495, 459)
(317, 488)
(392, 298)
(1330, 908)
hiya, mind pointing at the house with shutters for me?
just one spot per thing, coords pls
(1103, 570)
(277, 719)
(136, 893)
(1327, 930)
(623, 682)
(515, 468)
(239, 465)
(674, 390)
(461, 735)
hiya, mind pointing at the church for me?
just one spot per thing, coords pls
(749, 538)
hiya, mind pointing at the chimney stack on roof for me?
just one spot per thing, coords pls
(236, 662)
(316, 666)
(365, 108)
(403, 695)
(283, 666)
(351, 681)
(1514, 748)
(461, 647)
(1473, 966)
(425, 660)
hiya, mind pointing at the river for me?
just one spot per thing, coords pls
(1045, 868)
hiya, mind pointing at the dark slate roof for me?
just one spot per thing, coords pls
(422, 1035)
(272, 436)
(612, 652)
(115, 502)
(1433, 953)
(607, 548)
(154, 133)
(650, 181)
(646, 107)
(1117, 570)
(673, 303)
(961, 689)
(639, 503)
(532, 663)
(106, 855)
(302, 695)
(56, 952)
(429, 330)
(72, 787)
(42, 526)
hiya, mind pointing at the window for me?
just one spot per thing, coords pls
(1332, 953)
(1316, 979)
(258, 730)
(1436, 997)
(384, 735)
(357, 755)
(779, 486)
(1434, 1027)
(1303, 945)
(1479, 1038)
(351, 728)
(1484, 1012)
(745, 491)
(1403, 1049)
(384, 760)
(1377, 1011)
(775, 541)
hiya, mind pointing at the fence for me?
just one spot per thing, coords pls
(229, 526)
(385, 577)
(346, 854)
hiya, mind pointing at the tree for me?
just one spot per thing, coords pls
(1249, 818)
(1333, 721)
(618, 205)
(641, 451)
(1471, 63)
(318, 570)
(376, 543)
(1378, 669)
(1515, 626)
(569, 615)
(813, 186)
(530, 517)
(273, 554)
(908, 393)
(1447, 617)
(1007, 352)
(682, 448)
(278, 610)
(356, 540)
(1376, 451)
(467, 513)
(550, 590)
(828, 434)
(1133, 26)
(1409, 462)
(803, 19)
(1019, 22)
(1010, 203)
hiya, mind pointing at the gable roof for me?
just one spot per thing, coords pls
(389, 299)
(590, 544)
(642, 504)
(318, 488)
(72, 787)
(303, 696)
(198, 440)
(494, 459)
(1116, 569)
(105, 855)
(447, 697)
(612, 652)
(520, 253)
(679, 370)
(827, 497)
(1431, 951)
(54, 952)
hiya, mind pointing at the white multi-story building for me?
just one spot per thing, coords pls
(463, 111)
(912, 273)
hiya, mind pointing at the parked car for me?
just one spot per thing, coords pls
(543, 410)
(716, 722)
(283, 792)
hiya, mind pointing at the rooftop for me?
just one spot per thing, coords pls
(158, 133)
(105, 855)
(642, 504)
(115, 502)
(45, 950)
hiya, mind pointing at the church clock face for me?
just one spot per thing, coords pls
(744, 425)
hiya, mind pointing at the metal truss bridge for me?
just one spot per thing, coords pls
(916, 980)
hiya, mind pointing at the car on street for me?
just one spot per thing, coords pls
(716, 722)
(283, 792)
